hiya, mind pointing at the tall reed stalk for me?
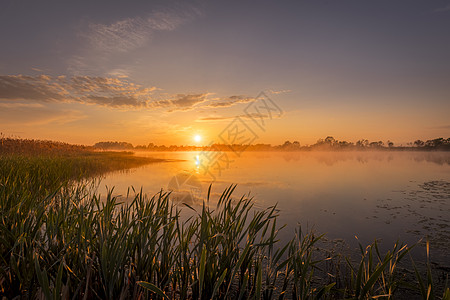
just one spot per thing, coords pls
(61, 240)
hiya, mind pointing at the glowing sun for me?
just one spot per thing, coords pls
(197, 138)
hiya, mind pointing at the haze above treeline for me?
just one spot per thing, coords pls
(30, 146)
(322, 144)
(326, 143)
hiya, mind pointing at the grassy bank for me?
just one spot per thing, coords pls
(46, 172)
(60, 240)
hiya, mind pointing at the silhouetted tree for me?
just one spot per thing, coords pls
(291, 146)
(378, 144)
(114, 145)
(329, 140)
(419, 143)
(286, 144)
(344, 144)
(434, 143)
(362, 143)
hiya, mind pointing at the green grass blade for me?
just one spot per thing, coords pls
(153, 288)
(218, 283)
(202, 271)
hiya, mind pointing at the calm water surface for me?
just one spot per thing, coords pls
(383, 195)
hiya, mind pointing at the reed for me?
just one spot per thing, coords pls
(61, 240)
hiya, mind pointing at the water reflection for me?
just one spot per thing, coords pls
(333, 157)
(185, 188)
(385, 195)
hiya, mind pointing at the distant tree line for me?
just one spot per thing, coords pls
(25, 146)
(114, 146)
(328, 143)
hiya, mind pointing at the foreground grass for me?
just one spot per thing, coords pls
(59, 240)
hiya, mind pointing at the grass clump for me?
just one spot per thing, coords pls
(58, 239)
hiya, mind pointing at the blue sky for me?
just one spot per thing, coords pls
(163, 71)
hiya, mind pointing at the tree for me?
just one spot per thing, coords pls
(362, 143)
(296, 144)
(419, 143)
(344, 144)
(286, 145)
(330, 140)
(435, 143)
(114, 145)
(291, 146)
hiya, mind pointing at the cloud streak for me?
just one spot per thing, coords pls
(230, 101)
(36, 88)
(442, 127)
(101, 44)
(123, 35)
(103, 91)
(113, 92)
(278, 92)
(443, 9)
(34, 115)
(181, 101)
(130, 33)
(220, 118)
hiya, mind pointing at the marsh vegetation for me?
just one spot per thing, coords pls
(61, 239)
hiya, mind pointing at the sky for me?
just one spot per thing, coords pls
(163, 72)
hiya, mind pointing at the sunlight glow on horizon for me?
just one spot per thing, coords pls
(171, 74)
(197, 138)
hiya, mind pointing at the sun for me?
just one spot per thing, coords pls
(197, 138)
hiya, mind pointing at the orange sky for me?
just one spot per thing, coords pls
(164, 71)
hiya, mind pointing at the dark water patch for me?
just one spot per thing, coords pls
(425, 211)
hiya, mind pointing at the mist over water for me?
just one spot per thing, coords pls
(371, 195)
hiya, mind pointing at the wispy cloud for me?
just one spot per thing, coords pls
(115, 92)
(130, 33)
(29, 114)
(278, 92)
(37, 88)
(443, 9)
(55, 118)
(181, 101)
(37, 69)
(230, 101)
(224, 118)
(119, 72)
(15, 105)
(101, 45)
(122, 35)
(442, 127)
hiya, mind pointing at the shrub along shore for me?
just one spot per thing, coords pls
(58, 239)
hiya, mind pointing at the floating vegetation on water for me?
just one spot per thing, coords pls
(425, 209)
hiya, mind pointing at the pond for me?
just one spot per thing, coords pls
(385, 195)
